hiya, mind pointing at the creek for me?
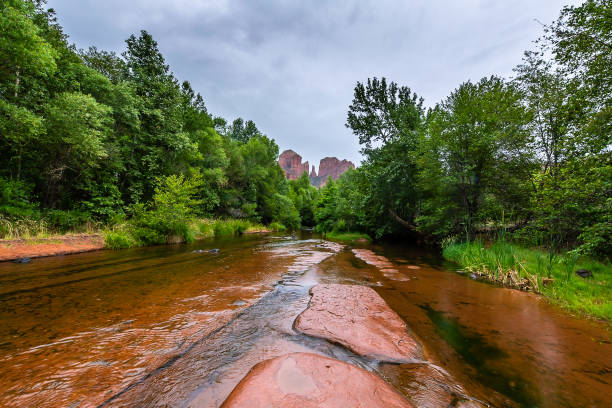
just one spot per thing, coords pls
(171, 326)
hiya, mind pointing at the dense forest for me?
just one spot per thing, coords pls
(90, 137)
(529, 156)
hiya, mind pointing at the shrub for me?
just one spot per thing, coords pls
(205, 228)
(277, 226)
(119, 240)
(223, 228)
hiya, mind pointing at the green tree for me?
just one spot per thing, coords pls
(386, 118)
(382, 112)
(161, 146)
(325, 208)
(303, 195)
(77, 128)
(23, 51)
(479, 133)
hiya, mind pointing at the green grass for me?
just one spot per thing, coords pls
(127, 236)
(38, 241)
(348, 236)
(552, 275)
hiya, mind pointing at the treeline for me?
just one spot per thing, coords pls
(530, 155)
(92, 136)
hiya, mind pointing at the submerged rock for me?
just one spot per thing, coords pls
(307, 380)
(359, 319)
(207, 251)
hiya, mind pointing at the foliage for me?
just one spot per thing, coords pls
(303, 195)
(108, 135)
(277, 226)
(530, 155)
(119, 240)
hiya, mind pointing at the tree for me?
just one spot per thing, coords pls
(581, 40)
(20, 128)
(161, 146)
(325, 208)
(303, 195)
(382, 113)
(482, 144)
(77, 127)
(242, 131)
(386, 118)
(22, 49)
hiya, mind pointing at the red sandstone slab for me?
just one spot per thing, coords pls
(307, 380)
(359, 319)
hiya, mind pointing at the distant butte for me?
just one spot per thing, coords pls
(292, 165)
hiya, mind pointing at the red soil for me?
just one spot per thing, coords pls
(61, 245)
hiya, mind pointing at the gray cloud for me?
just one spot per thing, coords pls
(292, 66)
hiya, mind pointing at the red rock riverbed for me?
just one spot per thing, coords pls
(168, 327)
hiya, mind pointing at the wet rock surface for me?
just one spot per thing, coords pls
(359, 319)
(309, 380)
(383, 264)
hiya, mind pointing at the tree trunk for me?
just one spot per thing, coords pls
(19, 162)
(428, 239)
(16, 83)
(401, 221)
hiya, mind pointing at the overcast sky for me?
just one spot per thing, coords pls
(291, 66)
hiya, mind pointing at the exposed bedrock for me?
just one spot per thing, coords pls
(359, 319)
(308, 380)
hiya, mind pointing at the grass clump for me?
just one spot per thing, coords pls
(551, 274)
(231, 227)
(119, 239)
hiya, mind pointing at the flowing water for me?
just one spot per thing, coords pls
(167, 326)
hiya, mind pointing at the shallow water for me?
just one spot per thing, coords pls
(165, 326)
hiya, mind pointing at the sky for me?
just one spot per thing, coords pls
(291, 66)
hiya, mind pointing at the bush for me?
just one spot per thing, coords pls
(222, 228)
(277, 226)
(119, 240)
(205, 228)
(63, 221)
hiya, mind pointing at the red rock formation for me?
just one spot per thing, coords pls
(359, 319)
(307, 380)
(332, 167)
(291, 163)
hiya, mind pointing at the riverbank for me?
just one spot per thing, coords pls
(57, 245)
(349, 237)
(121, 236)
(578, 284)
